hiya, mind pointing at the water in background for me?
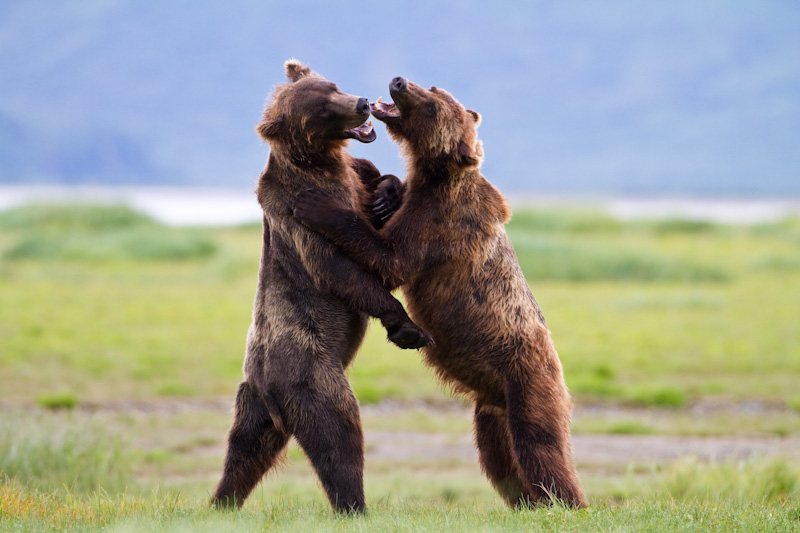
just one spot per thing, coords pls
(203, 206)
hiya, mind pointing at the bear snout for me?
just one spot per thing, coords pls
(398, 84)
(362, 106)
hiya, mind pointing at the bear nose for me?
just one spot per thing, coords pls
(399, 84)
(362, 106)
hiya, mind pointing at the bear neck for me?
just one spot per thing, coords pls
(284, 167)
(441, 171)
(316, 154)
(460, 185)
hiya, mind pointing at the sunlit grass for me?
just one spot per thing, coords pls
(665, 312)
(101, 305)
(167, 511)
(73, 456)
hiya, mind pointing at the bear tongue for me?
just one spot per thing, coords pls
(382, 109)
(363, 133)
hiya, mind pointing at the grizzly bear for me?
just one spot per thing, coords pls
(447, 247)
(312, 302)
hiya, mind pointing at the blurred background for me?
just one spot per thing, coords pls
(623, 97)
(649, 150)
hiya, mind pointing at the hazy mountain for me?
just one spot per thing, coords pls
(612, 97)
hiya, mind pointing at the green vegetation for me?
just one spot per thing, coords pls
(49, 455)
(582, 246)
(98, 233)
(82, 478)
(106, 302)
(169, 511)
(121, 337)
(64, 400)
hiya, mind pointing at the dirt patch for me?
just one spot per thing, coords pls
(596, 449)
(624, 449)
(452, 439)
(590, 450)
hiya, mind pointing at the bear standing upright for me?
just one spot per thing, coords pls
(311, 304)
(447, 247)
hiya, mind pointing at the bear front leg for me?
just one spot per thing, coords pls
(365, 292)
(254, 445)
(323, 213)
(329, 217)
(368, 173)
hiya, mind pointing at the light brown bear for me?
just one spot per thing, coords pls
(447, 248)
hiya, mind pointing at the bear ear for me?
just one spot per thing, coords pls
(476, 117)
(468, 157)
(295, 70)
(269, 128)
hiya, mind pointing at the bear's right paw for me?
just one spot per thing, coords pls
(388, 197)
(409, 336)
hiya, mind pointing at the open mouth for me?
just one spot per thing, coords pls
(383, 110)
(363, 133)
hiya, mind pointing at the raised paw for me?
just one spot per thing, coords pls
(388, 197)
(410, 336)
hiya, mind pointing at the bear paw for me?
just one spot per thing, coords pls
(316, 208)
(409, 336)
(388, 197)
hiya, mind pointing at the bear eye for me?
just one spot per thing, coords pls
(322, 111)
(429, 109)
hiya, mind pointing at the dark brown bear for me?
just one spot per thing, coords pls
(311, 306)
(447, 247)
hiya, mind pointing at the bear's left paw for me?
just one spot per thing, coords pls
(315, 208)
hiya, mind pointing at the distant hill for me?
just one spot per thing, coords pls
(613, 97)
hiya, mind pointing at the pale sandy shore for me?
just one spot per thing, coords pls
(182, 206)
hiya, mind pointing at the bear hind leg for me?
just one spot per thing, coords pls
(328, 428)
(538, 427)
(254, 445)
(496, 456)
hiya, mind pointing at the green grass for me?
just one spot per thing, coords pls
(585, 246)
(104, 306)
(72, 217)
(73, 472)
(97, 234)
(137, 244)
(74, 458)
(108, 303)
(167, 511)
(794, 403)
(629, 427)
(66, 400)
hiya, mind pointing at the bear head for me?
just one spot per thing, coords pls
(430, 124)
(312, 113)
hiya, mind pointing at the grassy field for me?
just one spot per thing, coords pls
(120, 338)
(99, 303)
(73, 471)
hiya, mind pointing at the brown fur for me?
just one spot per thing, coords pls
(311, 305)
(447, 247)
